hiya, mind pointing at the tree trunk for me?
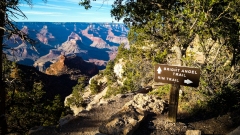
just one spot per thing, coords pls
(3, 123)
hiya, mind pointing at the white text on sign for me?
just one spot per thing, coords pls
(168, 79)
(179, 72)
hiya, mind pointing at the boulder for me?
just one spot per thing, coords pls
(193, 132)
(147, 103)
(127, 120)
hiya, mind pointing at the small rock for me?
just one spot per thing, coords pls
(193, 132)
(65, 119)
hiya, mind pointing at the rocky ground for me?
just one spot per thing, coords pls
(158, 125)
(88, 122)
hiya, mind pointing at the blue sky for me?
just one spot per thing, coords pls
(66, 11)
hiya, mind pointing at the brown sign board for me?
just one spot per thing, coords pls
(177, 75)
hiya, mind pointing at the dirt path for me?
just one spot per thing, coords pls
(88, 122)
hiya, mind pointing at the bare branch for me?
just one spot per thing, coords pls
(219, 16)
(193, 24)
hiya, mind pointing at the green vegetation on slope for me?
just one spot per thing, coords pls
(77, 93)
(26, 103)
(196, 33)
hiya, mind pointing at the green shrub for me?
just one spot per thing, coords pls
(109, 69)
(77, 93)
(161, 91)
(94, 87)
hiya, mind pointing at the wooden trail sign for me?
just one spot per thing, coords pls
(176, 75)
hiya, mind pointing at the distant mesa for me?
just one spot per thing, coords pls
(72, 65)
(74, 36)
(44, 62)
(97, 41)
(116, 39)
(71, 46)
(24, 29)
(112, 54)
(44, 36)
(15, 40)
(100, 63)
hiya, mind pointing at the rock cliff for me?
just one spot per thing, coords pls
(72, 65)
(44, 62)
(116, 39)
(72, 44)
(44, 36)
(98, 42)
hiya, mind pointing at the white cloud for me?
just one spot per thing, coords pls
(51, 6)
(47, 6)
(42, 13)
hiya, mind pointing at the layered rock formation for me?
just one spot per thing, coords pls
(97, 41)
(73, 66)
(94, 42)
(44, 36)
(71, 46)
(99, 63)
(113, 53)
(20, 51)
(116, 39)
(22, 54)
(44, 62)
(15, 40)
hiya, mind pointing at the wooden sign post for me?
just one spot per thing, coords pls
(176, 76)
(173, 102)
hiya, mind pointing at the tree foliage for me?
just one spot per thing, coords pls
(9, 11)
(76, 98)
(211, 26)
(94, 86)
(177, 22)
(26, 103)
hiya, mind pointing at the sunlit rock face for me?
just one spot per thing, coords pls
(72, 65)
(45, 61)
(72, 45)
(97, 42)
(116, 39)
(118, 68)
(44, 36)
